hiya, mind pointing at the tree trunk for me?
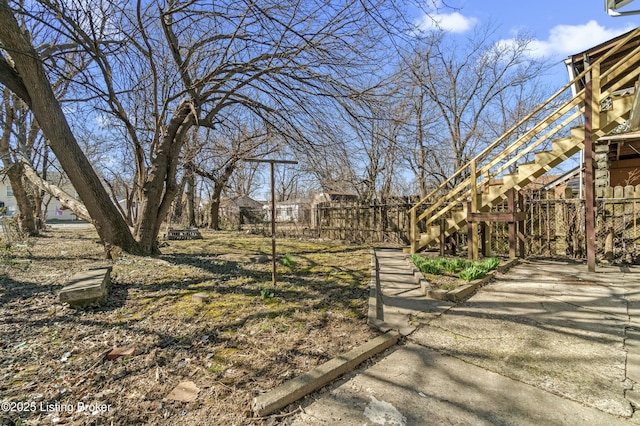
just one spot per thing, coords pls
(160, 188)
(218, 186)
(66, 200)
(25, 203)
(191, 198)
(47, 110)
(215, 214)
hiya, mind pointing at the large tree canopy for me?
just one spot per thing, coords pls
(158, 70)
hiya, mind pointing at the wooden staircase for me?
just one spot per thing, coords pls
(486, 179)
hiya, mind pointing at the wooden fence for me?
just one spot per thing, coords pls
(357, 223)
(553, 227)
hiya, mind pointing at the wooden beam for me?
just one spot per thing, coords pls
(520, 228)
(496, 217)
(589, 173)
(474, 209)
(443, 236)
(511, 205)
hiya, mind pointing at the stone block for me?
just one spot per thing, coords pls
(601, 148)
(87, 288)
(183, 234)
(438, 294)
(200, 298)
(184, 392)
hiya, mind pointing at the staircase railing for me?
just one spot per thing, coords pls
(488, 164)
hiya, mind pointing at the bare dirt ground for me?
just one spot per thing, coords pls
(247, 339)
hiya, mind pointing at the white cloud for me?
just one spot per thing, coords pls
(565, 40)
(454, 22)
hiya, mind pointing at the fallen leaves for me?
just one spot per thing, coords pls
(151, 334)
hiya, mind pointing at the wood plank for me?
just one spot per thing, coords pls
(496, 217)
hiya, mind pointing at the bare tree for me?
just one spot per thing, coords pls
(456, 88)
(159, 70)
(25, 75)
(221, 153)
(13, 115)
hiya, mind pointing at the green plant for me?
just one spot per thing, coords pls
(460, 263)
(490, 264)
(266, 293)
(455, 265)
(6, 251)
(426, 266)
(287, 261)
(417, 260)
(472, 272)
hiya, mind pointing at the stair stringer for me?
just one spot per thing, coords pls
(561, 150)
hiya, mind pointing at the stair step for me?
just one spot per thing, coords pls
(528, 172)
(489, 200)
(577, 133)
(561, 149)
(511, 181)
(547, 157)
(567, 146)
(494, 194)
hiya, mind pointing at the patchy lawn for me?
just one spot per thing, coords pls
(246, 339)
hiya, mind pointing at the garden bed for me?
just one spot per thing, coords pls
(454, 278)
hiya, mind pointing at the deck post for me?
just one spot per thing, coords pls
(592, 90)
(413, 231)
(520, 228)
(473, 249)
(443, 237)
(511, 206)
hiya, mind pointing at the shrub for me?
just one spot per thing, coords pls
(468, 271)
(455, 265)
(266, 293)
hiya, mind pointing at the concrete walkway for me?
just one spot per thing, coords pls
(545, 343)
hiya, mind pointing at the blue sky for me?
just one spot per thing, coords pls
(560, 28)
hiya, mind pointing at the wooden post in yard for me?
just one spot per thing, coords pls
(413, 231)
(442, 236)
(273, 209)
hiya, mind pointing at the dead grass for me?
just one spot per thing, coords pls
(248, 338)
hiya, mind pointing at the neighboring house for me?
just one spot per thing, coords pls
(295, 211)
(619, 159)
(241, 210)
(54, 209)
(560, 184)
